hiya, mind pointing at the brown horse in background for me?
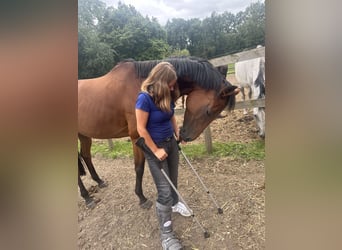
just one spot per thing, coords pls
(106, 108)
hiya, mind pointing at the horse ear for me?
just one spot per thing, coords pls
(229, 90)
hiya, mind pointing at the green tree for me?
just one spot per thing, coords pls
(251, 27)
(196, 44)
(131, 35)
(178, 52)
(90, 12)
(177, 33)
(94, 56)
(220, 34)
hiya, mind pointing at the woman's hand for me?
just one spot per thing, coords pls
(160, 153)
(178, 138)
(177, 135)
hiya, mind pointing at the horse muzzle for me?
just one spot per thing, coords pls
(183, 136)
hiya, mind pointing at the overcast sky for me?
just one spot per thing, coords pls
(186, 9)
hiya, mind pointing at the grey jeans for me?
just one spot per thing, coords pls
(166, 195)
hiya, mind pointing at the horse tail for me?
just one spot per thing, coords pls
(81, 169)
(260, 83)
(262, 91)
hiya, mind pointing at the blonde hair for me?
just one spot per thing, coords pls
(156, 84)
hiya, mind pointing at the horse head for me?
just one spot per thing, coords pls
(203, 106)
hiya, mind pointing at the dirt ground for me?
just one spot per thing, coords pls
(238, 186)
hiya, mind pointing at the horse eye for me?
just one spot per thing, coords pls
(208, 112)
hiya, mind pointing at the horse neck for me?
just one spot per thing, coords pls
(185, 86)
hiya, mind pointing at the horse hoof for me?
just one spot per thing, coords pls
(147, 204)
(103, 184)
(91, 202)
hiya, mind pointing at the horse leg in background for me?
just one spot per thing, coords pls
(242, 90)
(86, 155)
(139, 164)
(90, 201)
(250, 93)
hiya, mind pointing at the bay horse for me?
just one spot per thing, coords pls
(106, 108)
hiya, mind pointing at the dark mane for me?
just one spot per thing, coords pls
(194, 69)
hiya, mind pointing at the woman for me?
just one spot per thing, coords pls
(156, 123)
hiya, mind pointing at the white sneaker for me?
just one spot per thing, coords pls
(181, 208)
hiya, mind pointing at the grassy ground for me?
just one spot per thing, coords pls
(231, 68)
(247, 151)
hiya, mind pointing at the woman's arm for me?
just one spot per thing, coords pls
(175, 127)
(142, 117)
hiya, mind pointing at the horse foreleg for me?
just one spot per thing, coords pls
(86, 156)
(139, 163)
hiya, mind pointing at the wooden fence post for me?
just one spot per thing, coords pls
(110, 144)
(208, 140)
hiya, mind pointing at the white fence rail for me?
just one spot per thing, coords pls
(241, 56)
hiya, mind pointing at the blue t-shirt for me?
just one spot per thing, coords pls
(159, 123)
